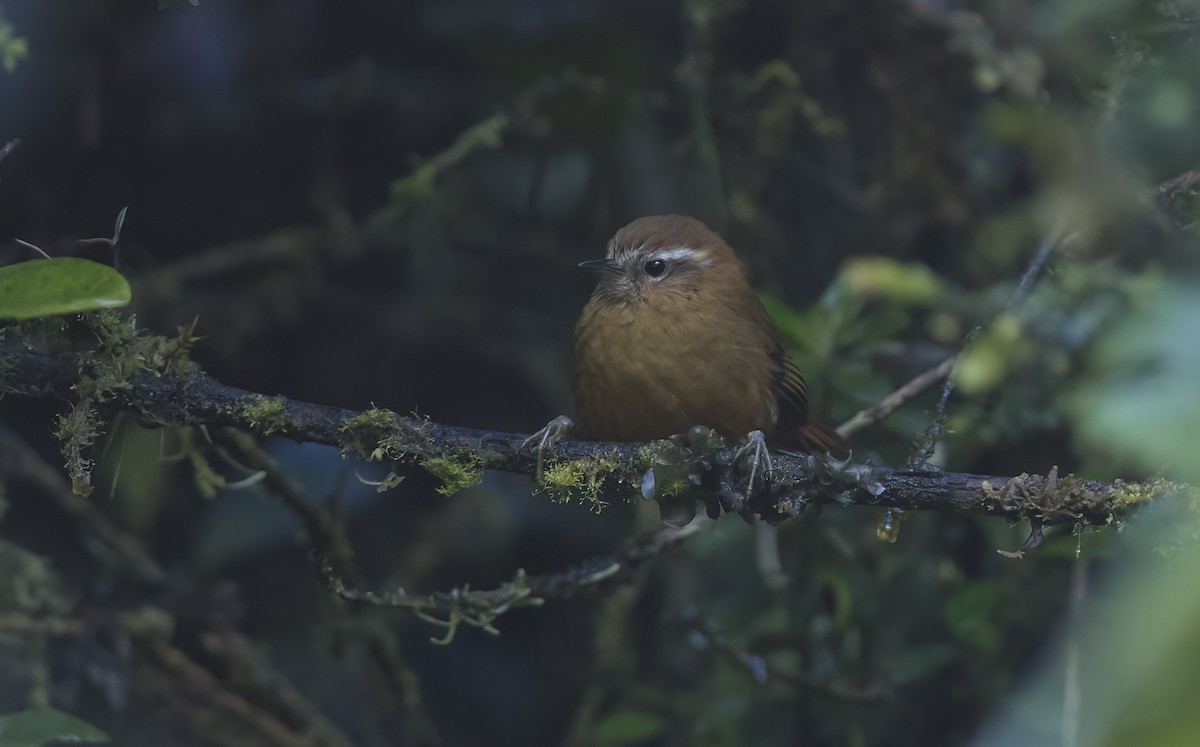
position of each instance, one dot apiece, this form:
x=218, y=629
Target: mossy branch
x=183, y=395
x=479, y=608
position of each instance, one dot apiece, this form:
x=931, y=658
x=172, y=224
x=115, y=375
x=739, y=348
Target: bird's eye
x=655, y=267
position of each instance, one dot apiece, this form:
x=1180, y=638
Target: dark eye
x=655, y=267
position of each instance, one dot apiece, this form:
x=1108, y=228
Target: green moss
x=1054, y=497
x=648, y=453
x=76, y=431
x=119, y=352
x=456, y=473
x=1136, y=494
x=266, y=415
x=585, y=478
x=374, y=417
x=377, y=434
x=561, y=479
x=675, y=487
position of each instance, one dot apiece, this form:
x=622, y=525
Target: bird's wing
x=794, y=429
x=790, y=391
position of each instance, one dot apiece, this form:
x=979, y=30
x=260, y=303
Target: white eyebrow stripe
x=682, y=252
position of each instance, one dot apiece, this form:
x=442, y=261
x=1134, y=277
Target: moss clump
x=377, y=418
x=76, y=431
x=456, y=473
x=583, y=477
x=675, y=487
x=266, y=415
x=119, y=352
x=561, y=479
x=1070, y=498
x=1137, y=493
x=376, y=434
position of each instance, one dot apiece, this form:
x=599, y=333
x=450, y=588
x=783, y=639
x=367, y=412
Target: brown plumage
x=674, y=336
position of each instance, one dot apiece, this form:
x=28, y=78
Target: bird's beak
x=601, y=265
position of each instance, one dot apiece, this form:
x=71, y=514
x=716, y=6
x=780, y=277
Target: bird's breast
x=643, y=372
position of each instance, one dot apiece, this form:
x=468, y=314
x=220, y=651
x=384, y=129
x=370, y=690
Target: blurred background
x=384, y=203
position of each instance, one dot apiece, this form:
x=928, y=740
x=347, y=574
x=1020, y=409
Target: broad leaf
x=64, y=285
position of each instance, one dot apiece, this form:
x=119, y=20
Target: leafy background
x=384, y=203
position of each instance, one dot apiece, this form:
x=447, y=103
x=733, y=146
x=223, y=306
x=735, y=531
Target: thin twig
x=480, y=608
x=924, y=450
x=890, y=403
x=1035, y=268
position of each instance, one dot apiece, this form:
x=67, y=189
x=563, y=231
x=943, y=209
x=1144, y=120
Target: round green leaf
x=64, y=285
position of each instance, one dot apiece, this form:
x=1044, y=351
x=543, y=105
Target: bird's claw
x=546, y=439
x=755, y=449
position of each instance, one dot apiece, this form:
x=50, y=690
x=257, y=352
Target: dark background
x=384, y=203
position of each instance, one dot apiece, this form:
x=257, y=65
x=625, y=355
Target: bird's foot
x=759, y=457
x=546, y=439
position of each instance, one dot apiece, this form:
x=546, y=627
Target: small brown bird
x=674, y=336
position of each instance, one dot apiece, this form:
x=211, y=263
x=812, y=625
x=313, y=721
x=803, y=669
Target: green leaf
x=65, y=285
x=36, y=727
x=626, y=727
x=884, y=277
x=1143, y=403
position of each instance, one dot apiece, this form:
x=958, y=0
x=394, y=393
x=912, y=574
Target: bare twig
x=480, y=608
x=923, y=451
x=888, y=404
x=1035, y=268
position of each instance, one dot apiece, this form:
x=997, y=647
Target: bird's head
x=663, y=257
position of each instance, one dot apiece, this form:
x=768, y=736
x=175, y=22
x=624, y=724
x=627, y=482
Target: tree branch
x=195, y=398
x=479, y=608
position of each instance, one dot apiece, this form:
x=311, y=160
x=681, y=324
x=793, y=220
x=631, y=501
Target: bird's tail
x=818, y=438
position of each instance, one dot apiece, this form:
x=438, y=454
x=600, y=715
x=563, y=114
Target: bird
x=674, y=336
